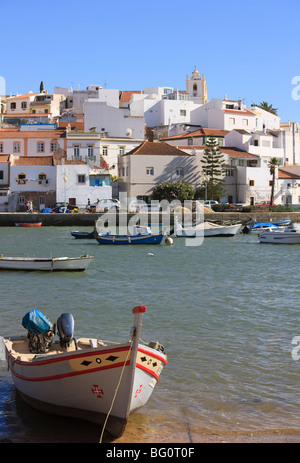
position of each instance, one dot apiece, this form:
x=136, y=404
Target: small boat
x=141, y=235
x=45, y=263
x=291, y=235
x=257, y=227
x=28, y=224
x=83, y=235
x=206, y=229
x=83, y=378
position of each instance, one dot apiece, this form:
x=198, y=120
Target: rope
x=115, y=394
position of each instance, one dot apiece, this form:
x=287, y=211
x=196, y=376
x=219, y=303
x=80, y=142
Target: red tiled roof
x=239, y=111
x=230, y=151
x=156, y=149
x=202, y=132
x=288, y=174
x=4, y=157
x=124, y=96
x=32, y=161
x=12, y=133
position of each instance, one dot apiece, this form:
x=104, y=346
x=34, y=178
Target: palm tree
x=267, y=107
x=273, y=162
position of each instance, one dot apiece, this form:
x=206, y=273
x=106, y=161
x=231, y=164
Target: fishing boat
x=291, y=235
x=45, y=263
x=83, y=235
x=257, y=227
x=83, y=378
x=28, y=224
x=206, y=229
x=141, y=235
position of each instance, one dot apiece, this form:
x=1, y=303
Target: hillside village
x=79, y=145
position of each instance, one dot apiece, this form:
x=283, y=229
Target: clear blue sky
x=245, y=49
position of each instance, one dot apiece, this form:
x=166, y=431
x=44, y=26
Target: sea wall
x=88, y=219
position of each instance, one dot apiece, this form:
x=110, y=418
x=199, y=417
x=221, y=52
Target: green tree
x=267, y=107
x=213, y=169
x=272, y=164
x=172, y=191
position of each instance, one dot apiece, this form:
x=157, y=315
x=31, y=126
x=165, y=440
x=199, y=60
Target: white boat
x=291, y=235
x=206, y=229
x=45, y=263
x=86, y=378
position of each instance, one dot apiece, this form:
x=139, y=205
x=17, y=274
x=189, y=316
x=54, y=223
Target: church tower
x=196, y=87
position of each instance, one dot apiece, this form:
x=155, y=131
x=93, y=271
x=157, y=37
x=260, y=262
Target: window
x=21, y=199
x=182, y=112
x=241, y=162
x=232, y=120
x=229, y=173
x=13, y=105
x=149, y=170
x=76, y=150
x=179, y=172
x=90, y=151
x=251, y=182
x=121, y=149
x=81, y=178
x=1, y=147
x=42, y=179
x=21, y=179
x=54, y=146
x=104, y=150
x=16, y=147
x=245, y=121
x=24, y=105
x=41, y=147
x=1, y=175
x=270, y=182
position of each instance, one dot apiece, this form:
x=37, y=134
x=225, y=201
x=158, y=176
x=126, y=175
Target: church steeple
x=196, y=87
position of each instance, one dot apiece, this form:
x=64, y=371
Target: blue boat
x=141, y=235
x=83, y=235
x=256, y=227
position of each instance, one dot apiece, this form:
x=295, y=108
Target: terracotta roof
x=149, y=148
x=124, y=96
x=4, y=157
x=25, y=115
x=289, y=172
x=22, y=97
x=32, y=161
x=240, y=111
x=230, y=151
x=202, y=132
x=12, y=133
x=73, y=125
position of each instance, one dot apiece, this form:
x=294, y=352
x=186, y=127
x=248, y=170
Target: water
x=226, y=312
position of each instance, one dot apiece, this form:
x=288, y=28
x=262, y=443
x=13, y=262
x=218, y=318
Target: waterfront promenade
x=8, y=219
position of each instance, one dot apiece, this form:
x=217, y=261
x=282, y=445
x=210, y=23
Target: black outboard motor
x=65, y=329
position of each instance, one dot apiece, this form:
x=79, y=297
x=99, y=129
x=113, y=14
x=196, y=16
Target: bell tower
x=196, y=87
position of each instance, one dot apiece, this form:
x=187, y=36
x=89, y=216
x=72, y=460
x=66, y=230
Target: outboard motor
x=40, y=331
x=65, y=329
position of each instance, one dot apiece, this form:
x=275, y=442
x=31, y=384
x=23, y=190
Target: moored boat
x=83, y=235
x=206, y=229
x=84, y=378
x=257, y=227
x=291, y=235
x=45, y=263
x=28, y=224
x=140, y=235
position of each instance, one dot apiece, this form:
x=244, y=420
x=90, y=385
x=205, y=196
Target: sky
x=248, y=50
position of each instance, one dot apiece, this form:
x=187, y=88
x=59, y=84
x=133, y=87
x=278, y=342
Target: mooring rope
x=115, y=394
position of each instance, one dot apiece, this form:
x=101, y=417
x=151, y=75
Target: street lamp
x=205, y=180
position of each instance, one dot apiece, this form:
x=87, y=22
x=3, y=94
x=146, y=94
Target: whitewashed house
x=4, y=182
x=288, y=185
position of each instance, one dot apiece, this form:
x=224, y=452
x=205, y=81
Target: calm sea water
x=226, y=312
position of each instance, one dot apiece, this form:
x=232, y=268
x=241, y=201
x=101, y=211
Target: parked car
x=210, y=202
x=105, y=205
x=142, y=206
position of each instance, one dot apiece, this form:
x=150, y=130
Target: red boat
x=37, y=224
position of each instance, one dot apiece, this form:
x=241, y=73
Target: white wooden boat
x=85, y=378
x=206, y=229
x=291, y=235
x=45, y=263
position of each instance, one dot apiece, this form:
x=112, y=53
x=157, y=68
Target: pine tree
x=213, y=168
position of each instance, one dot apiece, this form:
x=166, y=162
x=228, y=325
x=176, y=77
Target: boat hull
x=45, y=264
x=130, y=239
x=86, y=384
x=277, y=237
x=200, y=230
x=38, y=224
x=83, y=235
